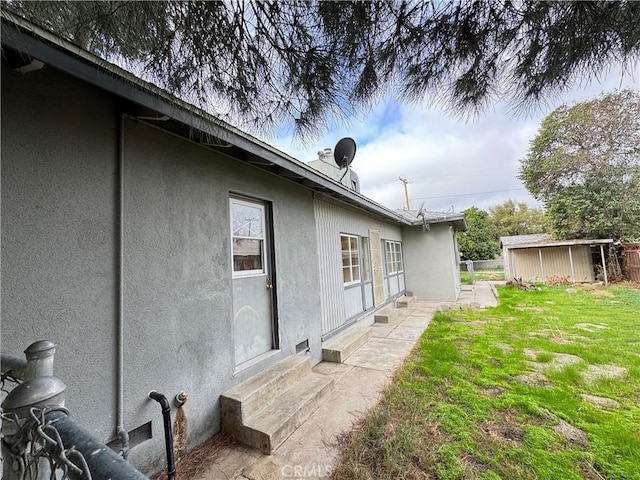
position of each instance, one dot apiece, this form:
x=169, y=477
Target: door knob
x=269, y=284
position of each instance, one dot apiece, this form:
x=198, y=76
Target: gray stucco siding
x=60, y=242
x=429, y=258
x=178, y=312
x=59, y=151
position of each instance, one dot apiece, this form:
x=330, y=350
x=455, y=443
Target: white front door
x=253, y=327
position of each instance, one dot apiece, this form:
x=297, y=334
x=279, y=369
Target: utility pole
x=406, y=192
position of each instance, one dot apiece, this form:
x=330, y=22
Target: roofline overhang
x=459, y=222
x=30, y=39
x=560, y=243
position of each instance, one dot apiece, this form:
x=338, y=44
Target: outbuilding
x=539, y=258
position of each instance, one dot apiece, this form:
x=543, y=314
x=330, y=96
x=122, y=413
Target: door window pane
x=247, y=237
x=247, y=254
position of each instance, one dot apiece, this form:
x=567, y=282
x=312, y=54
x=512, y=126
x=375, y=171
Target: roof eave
x=31, y=39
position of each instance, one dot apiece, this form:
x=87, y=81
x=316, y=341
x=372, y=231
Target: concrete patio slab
x=408, y=333
x=312, y=450
x=381, y=353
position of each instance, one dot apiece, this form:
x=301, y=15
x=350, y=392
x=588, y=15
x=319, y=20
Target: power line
x=470, y=194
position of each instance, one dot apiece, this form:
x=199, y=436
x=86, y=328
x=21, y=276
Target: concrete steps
x=405, y=301
x=265, y=409
x=388, y=315
x=338, y=349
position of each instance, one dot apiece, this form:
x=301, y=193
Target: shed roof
x=151, y=104
x=508, y=241
x=545, y=241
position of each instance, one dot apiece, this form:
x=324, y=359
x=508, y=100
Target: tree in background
x=477, y=243
x=584, y=164
x=511, y=218
x=305, y=63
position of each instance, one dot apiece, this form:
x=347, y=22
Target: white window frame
x=393, y=257
x=263, y=252
x=351, y=264
x=399, y=258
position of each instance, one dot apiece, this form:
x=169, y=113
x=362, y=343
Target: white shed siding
x=331, y=221
x=552, y=263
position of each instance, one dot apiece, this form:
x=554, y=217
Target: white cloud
x=448, y=162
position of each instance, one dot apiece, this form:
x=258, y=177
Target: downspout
x=121, y=433
x=168, y=433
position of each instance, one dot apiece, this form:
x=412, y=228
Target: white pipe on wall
x=121, y=432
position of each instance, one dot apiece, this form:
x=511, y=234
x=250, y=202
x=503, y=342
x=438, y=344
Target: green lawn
x=499, y=393
x=481, y=275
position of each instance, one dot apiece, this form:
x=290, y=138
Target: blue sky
x=450, y=163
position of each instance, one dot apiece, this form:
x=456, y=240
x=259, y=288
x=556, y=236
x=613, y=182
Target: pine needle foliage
x=305, y=63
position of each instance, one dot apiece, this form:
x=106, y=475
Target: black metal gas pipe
x=168, y=433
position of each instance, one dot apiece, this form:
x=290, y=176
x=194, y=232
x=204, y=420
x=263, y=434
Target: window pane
x=346, y=274
x=247, y=254
x=247, y=221
x=344, y=243
x=391, y=266
x=355, y=270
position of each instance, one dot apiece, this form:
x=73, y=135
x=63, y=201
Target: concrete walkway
x=312, y=450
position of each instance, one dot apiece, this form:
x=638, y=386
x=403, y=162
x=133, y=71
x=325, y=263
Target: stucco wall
x=178, y=280
x=59, y=151
x=431, y=271
x=59, y=257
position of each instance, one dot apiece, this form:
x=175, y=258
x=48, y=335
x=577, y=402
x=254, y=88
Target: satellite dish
x=344, y=152
x=425, y=226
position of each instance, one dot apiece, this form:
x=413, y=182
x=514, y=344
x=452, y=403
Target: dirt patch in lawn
x=590, y=327
x=572, y=434
x=504, y=428
x=534, y=379
x=558, y=361
x=602, y=293
x=530, y=309
x=505, y=347
x=603, y=402
x=596, y=372
x=475, y=323
x=492, y=391
x=559, y=340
